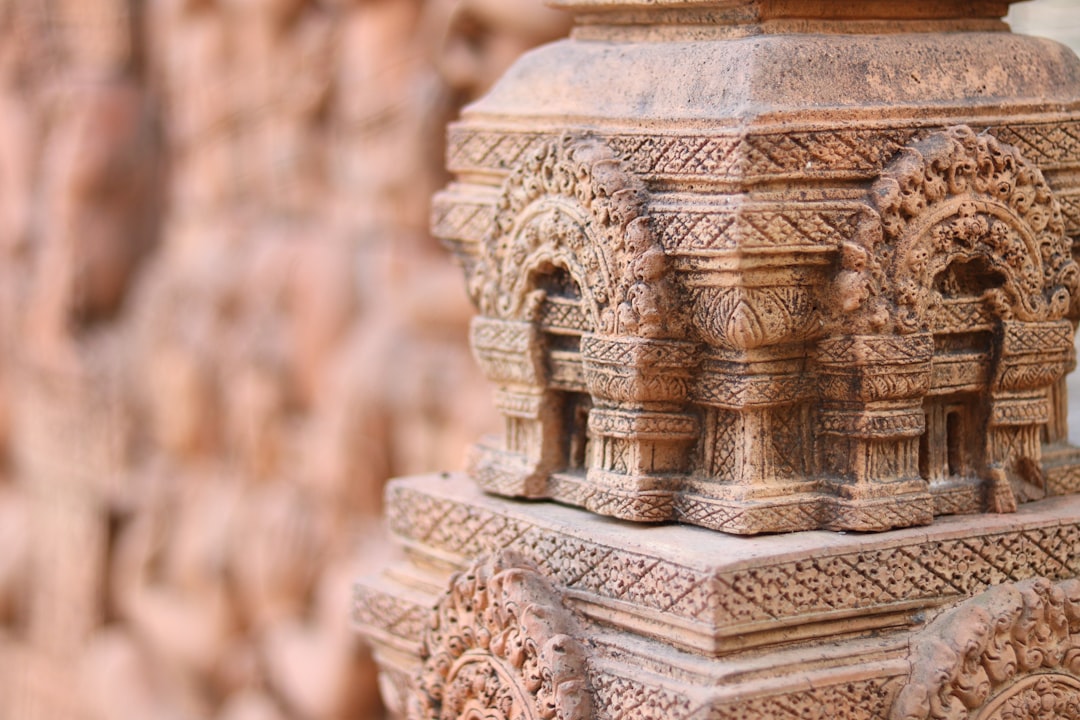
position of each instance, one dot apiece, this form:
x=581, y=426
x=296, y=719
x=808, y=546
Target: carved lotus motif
x=749, y=318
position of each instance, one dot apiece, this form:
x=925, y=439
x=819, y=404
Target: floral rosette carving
x=499, y=645
x=965, y=198
x=1012, y=653
x=572, y=204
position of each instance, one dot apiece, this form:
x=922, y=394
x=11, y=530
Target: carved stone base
x=560, y=613
x=745, y=514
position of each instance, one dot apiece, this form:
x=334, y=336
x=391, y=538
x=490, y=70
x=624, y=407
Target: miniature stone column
x=773, y=268
x=870, y=421
x=1032, y=359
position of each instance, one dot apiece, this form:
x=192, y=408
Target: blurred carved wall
x=223, y=326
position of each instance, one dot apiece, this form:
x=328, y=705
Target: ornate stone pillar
x=774, y=268
x=870, y=421
x=509, y=353
x=641, y=438
x=1032, y=359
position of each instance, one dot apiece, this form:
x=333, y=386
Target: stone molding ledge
x=676, y=616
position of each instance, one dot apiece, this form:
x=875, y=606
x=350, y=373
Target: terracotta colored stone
x=681, y=622
x=827, y=283
x=762, y=267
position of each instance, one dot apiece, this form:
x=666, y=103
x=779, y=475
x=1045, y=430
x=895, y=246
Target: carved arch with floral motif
x=500, y=645
x=572, y=205
x=1011, y=653
x=958, y=197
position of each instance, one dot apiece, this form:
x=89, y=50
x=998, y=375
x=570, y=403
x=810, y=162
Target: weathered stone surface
x=681, y=622
x=775, y=268
x=827, y=283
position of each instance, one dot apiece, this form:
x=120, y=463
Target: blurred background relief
x=224, y=326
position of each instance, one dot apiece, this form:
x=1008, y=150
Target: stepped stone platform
x=672, y=621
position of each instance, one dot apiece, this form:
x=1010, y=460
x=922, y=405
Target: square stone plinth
x=681, y=622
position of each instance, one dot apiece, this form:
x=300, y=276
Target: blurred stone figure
x=225, y=325
x=20, y=136
x=280, y=86
x=91, y=163
x=479, y=39
x=98, y=174
x=190, y=62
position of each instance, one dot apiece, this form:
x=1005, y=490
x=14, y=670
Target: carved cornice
x=851, y=153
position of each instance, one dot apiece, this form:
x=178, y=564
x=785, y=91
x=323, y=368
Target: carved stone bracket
x=636, y=370
x=1011, y=653
x=1033, y=356
x=869, y=368
x=500, y=645
x=507, y=351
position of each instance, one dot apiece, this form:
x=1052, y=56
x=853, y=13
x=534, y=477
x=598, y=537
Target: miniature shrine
x=775, y=268
x=798, y=317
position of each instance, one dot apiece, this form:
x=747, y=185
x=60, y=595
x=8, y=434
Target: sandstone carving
x=498, y=644
x=772, y=268
x=879, y=338
x=680, y=622
x=1011, y=652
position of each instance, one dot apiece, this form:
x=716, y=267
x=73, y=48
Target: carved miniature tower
x=760, y=266
x=823, y=284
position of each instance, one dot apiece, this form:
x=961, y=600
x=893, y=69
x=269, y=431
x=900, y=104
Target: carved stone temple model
x=759, y=266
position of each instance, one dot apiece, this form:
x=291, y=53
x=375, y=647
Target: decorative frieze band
x=873, y=576
x=963, y=314
x=563, y=314
x=703, y=230
x=734, y=391
x=875, y=424
x=695, y=230
x=639, y=352
x=455, y=218
x=1037, y=338
x=855, y=153
x=505, y=335
x=1020, y=411
x=1052, y=146
x=642, y=425
x=849, y=350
